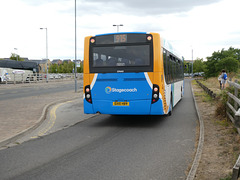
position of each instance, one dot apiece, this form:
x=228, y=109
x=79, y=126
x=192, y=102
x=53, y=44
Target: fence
x=235, y=174
x=233, y=110
x=233, y=113
x=211, y=93
x=40, y=78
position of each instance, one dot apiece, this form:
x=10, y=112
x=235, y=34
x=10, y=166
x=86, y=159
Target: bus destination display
x=120, y=38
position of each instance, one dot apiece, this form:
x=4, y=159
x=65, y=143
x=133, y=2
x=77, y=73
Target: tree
x=53, y=68
x=228, y=63
x=224, y=59
x=66, y=67
x=16, y=57
x=187, y=67
x=80, y=69
x=198, y=65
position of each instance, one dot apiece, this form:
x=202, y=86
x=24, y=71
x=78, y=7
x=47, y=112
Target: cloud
x=131, y=7
x=42, y=2
x=205, y=25
x=136, y=7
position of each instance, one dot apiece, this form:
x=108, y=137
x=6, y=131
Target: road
x=8, y=94
x=109, y=147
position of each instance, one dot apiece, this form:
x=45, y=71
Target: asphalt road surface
x=109, y=147
x=31, y=90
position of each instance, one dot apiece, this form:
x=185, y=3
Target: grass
x=194, y=82
x=228, y=177
x=207, y=98
x=213, y=84
x=224, y=123
x=235, y=154
x=200, y=94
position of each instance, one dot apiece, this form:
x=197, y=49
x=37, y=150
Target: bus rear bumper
x=138, y=107
x=157, y=108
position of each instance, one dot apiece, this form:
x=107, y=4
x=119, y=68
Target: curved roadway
x=110, y=147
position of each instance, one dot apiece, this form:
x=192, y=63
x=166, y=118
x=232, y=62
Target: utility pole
x=16, y=53
x=46, y=50
x=75, y=46
x=118, y=26
x=192, y=62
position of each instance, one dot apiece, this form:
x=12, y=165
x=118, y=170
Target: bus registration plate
x=120, y=103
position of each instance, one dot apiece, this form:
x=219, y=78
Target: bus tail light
x=155, y=93
x=87, y=90
x=88, y=96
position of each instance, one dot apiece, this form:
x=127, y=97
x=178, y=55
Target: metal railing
x=40, y=78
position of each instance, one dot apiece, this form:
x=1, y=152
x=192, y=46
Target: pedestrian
x=220, y=80
x=224, y=78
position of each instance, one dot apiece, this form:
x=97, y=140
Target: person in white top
x=224, y=78
x=220, y=80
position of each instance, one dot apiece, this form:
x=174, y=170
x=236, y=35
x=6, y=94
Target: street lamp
x=75, y=4
x=46, y=49
x=118, y=26
x=16, y=53
x=192, y=63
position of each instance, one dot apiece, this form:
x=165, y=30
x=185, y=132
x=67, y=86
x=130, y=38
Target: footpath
x=22, y=115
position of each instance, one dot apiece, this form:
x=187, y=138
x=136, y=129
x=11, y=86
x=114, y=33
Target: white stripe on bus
x=94, y=80
x=148, y=80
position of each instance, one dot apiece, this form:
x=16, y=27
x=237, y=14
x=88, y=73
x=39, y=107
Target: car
x=197, y=74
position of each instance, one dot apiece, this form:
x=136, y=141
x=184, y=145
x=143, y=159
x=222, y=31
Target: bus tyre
x=171, y=107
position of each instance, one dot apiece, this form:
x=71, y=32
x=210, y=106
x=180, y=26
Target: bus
x=133, y=73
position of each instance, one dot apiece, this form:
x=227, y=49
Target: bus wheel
x=171, y=107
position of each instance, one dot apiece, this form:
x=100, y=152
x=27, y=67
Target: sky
x=196, y=28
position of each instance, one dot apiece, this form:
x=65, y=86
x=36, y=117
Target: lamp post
x=118, y=26
x=16, y=53
x=192, y=63
x=46, y=50
x=75, y=46
x=238, y=53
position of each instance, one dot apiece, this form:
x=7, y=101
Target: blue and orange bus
x=131, y=73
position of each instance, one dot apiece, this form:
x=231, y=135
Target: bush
x=222, y=103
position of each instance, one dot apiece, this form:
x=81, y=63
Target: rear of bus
x=123, y=74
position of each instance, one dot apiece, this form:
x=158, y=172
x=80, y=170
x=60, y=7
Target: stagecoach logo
x=108, y=90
